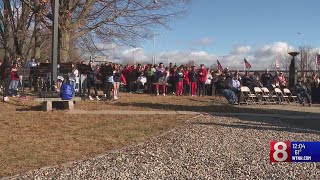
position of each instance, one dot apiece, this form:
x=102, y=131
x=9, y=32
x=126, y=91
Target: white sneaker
x=6, y=99
x=157, y=93
x=173, y=93
x=115, y=97
x=97, y=98
x=164, y=94
x=90, y=97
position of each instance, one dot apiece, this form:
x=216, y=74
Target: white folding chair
x=288, y=93
x=280, y=96
x=261, y=96
x=246, y=95
x=272, y=98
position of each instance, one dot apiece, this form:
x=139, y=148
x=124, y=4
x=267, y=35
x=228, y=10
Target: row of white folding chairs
x=264, y=96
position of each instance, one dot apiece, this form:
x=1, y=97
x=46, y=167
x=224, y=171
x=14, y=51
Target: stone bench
x=48, y=103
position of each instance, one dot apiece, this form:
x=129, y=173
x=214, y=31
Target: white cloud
x=241, y=50
x=260, y=57
x=205, y=41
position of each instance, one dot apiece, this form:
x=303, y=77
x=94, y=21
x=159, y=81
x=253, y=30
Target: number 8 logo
x=280, y=151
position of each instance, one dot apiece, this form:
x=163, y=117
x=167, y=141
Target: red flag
x=219, y=67
x=247, y=64
x=318, y=59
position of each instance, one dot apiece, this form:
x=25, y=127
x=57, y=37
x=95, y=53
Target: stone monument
x=292, y=70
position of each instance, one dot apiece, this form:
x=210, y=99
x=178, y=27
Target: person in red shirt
x=202, y=77
x=186, y=81
x=14, y=79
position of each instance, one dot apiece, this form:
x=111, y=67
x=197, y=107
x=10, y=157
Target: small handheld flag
x=247, y=64
x=318, y=59
x=219, y=66
x=277, y=64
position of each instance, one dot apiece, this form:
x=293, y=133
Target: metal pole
x=55, y=41
x=154, y=50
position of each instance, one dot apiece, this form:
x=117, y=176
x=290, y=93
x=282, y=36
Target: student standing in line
x=6, y=70
x=116, y=81
x=107, y=73
x=14, y=79
x=91, y=81
x=202, y=76
x=208, y=84
x=186, y=81
x=179, y=80
x=193, y=81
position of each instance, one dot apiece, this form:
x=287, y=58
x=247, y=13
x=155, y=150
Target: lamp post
x=55, y=41
x=154, y=50
x=292, y=70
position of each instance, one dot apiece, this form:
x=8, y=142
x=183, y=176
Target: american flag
x=247, y=64
x=219, y=67
x=277, y=64
x=318, y=59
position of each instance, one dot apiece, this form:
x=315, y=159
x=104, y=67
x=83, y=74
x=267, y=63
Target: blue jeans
x=14, y=85
x=230, y=96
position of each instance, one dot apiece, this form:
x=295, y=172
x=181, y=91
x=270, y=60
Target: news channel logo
x=287, y=151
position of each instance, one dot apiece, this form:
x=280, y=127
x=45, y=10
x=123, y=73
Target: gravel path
x=208, y=147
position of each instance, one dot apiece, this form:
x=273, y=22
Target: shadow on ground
x=304, y=123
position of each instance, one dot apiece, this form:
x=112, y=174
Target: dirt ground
x=30, y=138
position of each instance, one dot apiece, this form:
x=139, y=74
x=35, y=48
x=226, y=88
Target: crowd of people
x=158, y=79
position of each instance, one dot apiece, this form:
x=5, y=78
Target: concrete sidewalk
x=135, y=112
x=286, y=116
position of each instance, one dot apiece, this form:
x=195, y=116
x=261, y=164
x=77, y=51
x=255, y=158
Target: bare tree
x=19, y=28
x=124, y=22
x=284, y=59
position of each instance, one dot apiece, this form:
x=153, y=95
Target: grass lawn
x=31, y=139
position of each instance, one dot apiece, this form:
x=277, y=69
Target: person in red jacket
x=186, y=81
x=202, y=77
x=14, y=79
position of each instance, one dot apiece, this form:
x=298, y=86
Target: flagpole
x=316, y=63
x=244, y=66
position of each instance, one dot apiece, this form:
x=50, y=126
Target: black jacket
x=192, y=76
